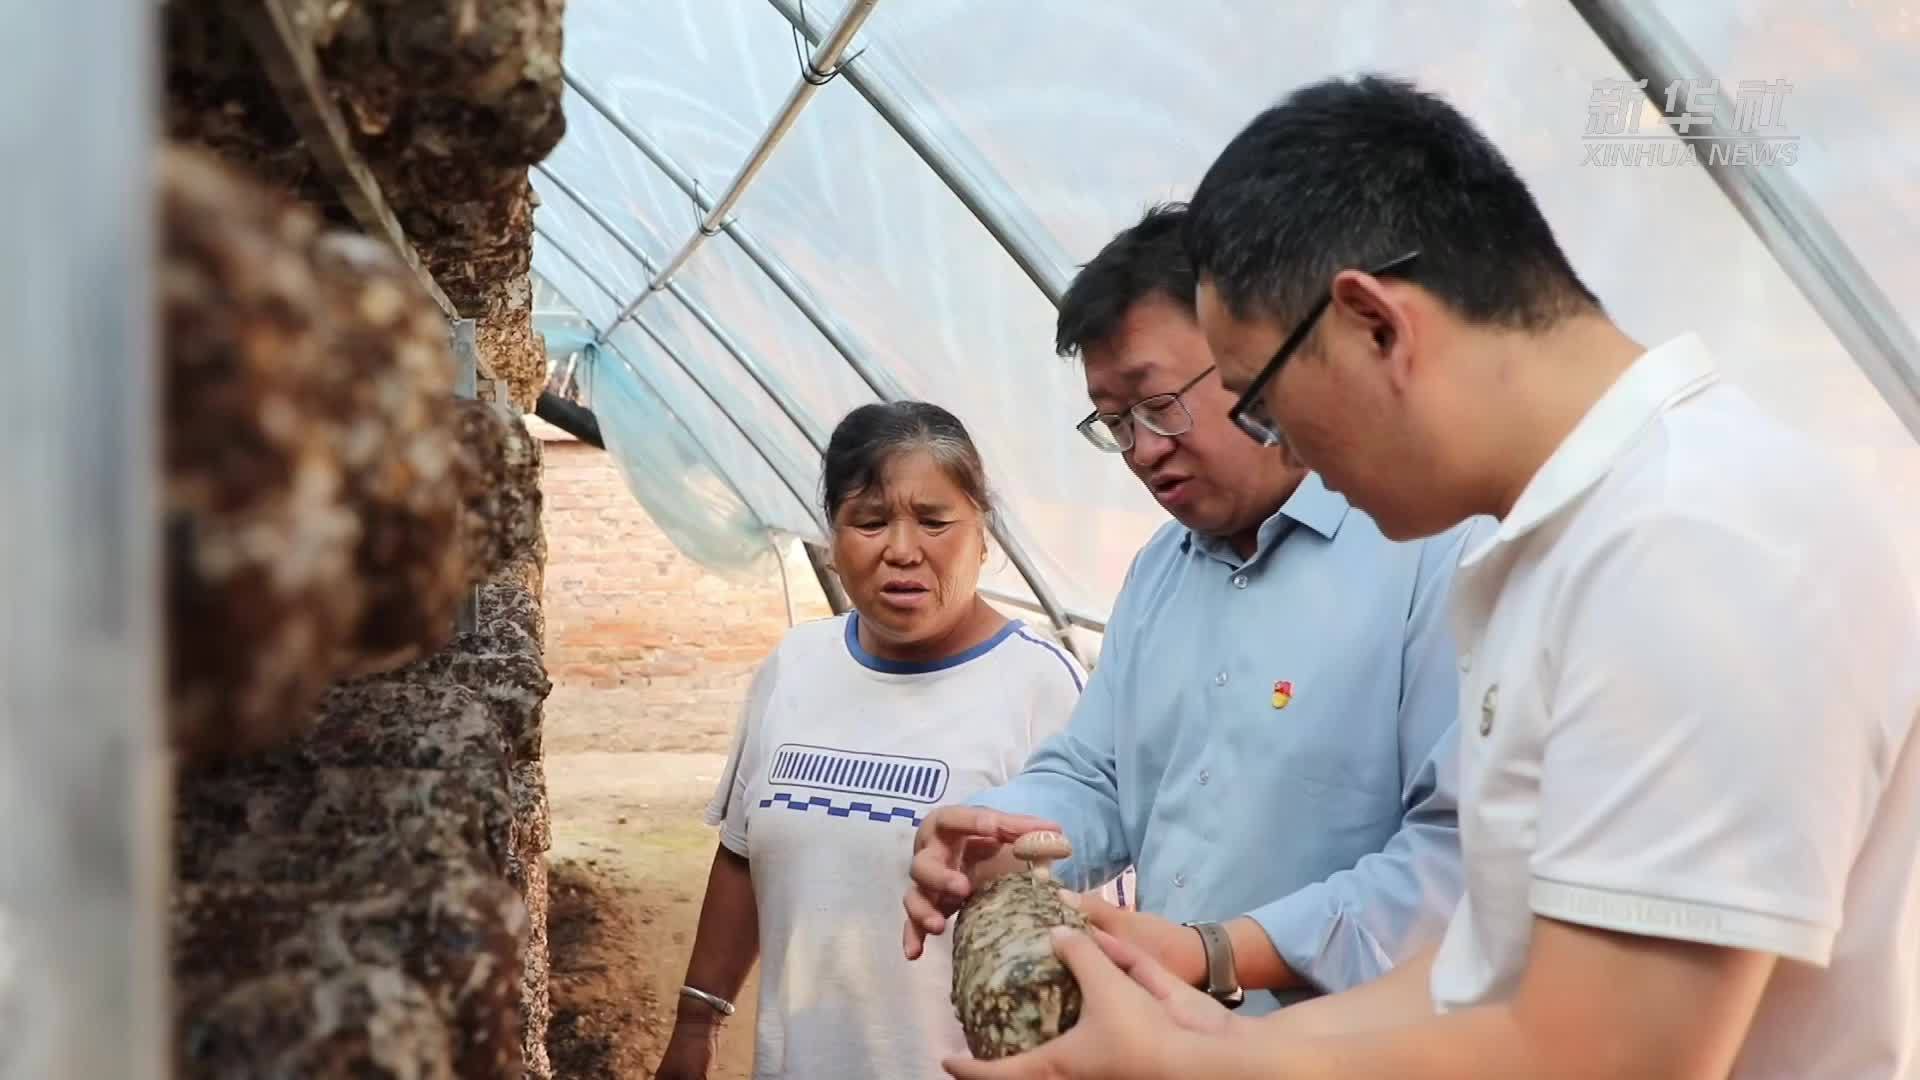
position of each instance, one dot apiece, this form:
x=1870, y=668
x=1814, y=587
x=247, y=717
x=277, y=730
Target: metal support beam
x=878, y=78
x=85, y=775
x=793, y=409
x=754, y=437
x=680, y=177
x=837, y=335
x=770, y=264
x=727, y=478
x=1079, y=618
x=821, y=69
x=830, y=586
x=1780, y=213
x=811, y=429
x=713, y=459
x=466, y=384
x=290, y=63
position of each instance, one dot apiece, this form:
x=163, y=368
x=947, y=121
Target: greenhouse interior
x=279, y=600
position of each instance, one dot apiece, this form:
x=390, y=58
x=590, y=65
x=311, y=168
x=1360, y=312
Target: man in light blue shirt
x=1268, y=736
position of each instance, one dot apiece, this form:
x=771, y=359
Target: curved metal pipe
x=1779, y=212
x=1079, y=618
x=836, y=334
x=878, y=78
x=753, y=438
x=706, y=452
x=820, y=69
x=787, y=403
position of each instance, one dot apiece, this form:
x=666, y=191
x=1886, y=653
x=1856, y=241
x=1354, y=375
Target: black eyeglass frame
x=1171, y=398
x=1264, y=430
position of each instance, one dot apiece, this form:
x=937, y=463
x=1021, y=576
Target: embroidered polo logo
x=1282, y=693
x=1487, y=706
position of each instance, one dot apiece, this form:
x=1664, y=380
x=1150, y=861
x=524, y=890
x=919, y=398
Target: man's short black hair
x=1144, y=259
x=1348, y=173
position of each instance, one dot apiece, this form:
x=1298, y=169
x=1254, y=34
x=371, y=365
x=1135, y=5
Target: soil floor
x=630, y=858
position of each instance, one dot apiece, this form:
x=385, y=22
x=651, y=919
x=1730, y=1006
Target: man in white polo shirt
x=1690, y=782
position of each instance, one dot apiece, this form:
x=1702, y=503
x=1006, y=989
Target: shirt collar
x=1659, y=379
x=1311, y=504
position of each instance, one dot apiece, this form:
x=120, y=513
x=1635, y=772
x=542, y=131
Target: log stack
x=384, y=873
x=329, y=501
x=449, y=104
x=260, y=535
x=361, y=820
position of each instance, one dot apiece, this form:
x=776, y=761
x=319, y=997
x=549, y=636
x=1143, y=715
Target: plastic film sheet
x=1087, y=112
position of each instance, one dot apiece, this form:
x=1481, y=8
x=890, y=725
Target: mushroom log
x=1010, y=991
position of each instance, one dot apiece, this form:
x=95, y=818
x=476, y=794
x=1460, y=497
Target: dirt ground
x=630, y=858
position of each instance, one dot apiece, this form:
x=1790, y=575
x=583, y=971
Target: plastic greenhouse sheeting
x=644, y=419
x=558, y=321
x=1085, y=112
x=702, y=512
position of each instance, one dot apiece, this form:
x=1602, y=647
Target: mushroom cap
x=1043, y=844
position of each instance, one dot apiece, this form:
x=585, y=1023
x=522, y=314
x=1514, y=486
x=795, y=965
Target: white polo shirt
x=1691, y=678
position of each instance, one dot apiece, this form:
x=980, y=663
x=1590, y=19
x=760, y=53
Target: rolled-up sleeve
x=1357, y=924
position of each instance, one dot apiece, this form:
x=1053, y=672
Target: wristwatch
x=1223, y=982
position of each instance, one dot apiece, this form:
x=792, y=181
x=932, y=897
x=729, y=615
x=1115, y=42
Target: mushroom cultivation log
x=328, y=500
x=261, y=534
x=389, y=345
x=499, y=487
x=1010, y=991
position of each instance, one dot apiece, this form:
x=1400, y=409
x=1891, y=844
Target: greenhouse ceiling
x=764, y=214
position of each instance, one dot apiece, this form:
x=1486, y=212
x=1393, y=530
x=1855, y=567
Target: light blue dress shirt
x=1330, y=820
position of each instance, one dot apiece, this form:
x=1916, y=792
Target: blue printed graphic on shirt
x=880, y=782
x=882, y=776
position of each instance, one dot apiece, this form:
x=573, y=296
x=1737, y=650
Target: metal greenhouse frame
x=1792, y=228
x=986, y=147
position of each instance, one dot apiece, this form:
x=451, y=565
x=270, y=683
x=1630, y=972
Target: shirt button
x=1220, y=679
x=1239, y=581
x=1179, y=881
x=1205, y=776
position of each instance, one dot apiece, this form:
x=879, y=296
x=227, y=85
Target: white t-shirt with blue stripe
x=839, y=756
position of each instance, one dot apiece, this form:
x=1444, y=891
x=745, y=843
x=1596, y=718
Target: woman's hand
x=1137, y=1021
x=689, y=1051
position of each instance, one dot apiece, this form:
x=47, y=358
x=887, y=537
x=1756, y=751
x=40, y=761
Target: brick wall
x=647, y=649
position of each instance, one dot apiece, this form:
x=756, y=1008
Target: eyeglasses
x=1250, y=413
x=1162, y=414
